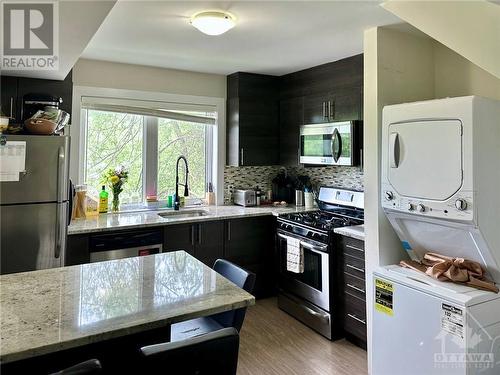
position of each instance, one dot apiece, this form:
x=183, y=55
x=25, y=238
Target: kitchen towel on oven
x=294, y=255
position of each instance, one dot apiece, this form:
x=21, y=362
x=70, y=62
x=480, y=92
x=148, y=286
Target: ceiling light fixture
x=213, y=22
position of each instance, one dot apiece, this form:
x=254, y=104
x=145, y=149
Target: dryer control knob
x=421, y=208
x=461, y=204
x=410, y=207
x=389, y=195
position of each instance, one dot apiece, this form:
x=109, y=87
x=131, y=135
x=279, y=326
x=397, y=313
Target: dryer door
x=425, y=158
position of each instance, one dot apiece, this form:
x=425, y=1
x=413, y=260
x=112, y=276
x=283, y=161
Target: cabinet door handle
x=11, y=107
x=199, y=234
x=352, y=316
x=354, y=248
x=229, y=231
x=331, y=110
x=355, y=268
x=325, y=116
x=355, y=288
x=241, y=156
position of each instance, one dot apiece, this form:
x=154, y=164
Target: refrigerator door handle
x=61, y=183
x=60, y=243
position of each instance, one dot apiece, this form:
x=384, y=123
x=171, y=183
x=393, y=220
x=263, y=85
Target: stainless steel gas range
x=310, y=294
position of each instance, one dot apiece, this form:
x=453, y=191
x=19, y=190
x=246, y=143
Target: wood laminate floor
x=274, y=343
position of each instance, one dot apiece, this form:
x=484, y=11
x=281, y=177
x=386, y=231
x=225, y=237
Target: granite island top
x=60, y=308
x=354, y=231
x=141, y=219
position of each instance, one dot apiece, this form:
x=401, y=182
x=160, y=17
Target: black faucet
x=186, y=192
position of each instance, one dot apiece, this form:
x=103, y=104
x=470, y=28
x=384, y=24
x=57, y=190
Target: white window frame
x=215, y=142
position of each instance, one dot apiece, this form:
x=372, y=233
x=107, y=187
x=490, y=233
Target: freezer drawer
x=33, y=236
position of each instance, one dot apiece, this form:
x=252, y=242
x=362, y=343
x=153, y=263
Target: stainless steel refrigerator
x=35, y=211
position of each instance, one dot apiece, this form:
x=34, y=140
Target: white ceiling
x=270, y=37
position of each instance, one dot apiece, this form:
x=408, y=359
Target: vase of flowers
x=115, y=178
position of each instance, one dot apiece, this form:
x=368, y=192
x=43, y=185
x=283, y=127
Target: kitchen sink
x=182, y=214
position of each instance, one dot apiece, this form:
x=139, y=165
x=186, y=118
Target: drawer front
x=354, y=286
x=354, y=266
x=355, y=317
x=353, y=247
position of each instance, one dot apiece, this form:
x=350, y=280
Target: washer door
x=425, y=158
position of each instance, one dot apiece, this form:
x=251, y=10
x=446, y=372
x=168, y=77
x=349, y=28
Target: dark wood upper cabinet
x=61, y=89
x=291, y=117
x=9, y=101
x=14, y=88
x=317, y=108
x=252, y=119
x=326, y=93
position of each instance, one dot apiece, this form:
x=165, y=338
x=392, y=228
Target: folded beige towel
x=294, y=255
x=457, y=270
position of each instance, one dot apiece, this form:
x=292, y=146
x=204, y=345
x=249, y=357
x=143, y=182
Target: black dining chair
x=233, y=318
x=90, y=367
x=209, y=354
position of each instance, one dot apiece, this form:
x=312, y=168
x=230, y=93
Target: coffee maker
x=35, y=102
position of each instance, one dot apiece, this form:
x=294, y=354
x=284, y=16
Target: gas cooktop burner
x=325, y=221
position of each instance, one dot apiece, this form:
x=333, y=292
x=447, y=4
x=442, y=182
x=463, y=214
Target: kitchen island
x=48, y=311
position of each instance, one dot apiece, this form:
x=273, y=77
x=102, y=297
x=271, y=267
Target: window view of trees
x=117, y=139
x=181, y=138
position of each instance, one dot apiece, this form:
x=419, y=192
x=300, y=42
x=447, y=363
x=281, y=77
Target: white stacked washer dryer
x=441, y=193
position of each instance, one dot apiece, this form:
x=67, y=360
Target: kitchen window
x=147, y=139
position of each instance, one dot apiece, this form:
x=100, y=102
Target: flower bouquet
x=115, y=178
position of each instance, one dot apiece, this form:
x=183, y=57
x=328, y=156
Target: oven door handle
x=316, y=249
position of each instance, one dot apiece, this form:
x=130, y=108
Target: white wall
x=454, y=75
x=470, y=28
x=95, y=73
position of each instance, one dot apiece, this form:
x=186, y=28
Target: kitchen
x=301, y=133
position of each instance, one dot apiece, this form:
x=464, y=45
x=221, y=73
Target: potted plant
x=115, y=178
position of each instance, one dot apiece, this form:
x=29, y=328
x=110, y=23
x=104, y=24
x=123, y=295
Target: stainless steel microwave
x=334, y=143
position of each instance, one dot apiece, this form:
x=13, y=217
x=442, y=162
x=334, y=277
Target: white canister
x=309, y=199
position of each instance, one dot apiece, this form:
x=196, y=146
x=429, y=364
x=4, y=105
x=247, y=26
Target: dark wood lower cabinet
x=205, y=241
x=352, y=291
x=179, y=237
x=249, y=243
x=77, y=249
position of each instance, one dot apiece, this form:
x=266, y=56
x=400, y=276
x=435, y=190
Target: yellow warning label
x=384, y=292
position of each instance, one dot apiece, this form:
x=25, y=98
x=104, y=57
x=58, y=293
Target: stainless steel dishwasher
x=125, y=244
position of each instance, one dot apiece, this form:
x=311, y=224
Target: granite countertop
x=140, y=219
x=355, y=231
x=50, y=310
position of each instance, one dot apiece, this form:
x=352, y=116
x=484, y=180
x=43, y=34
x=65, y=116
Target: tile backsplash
x=250, y=177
